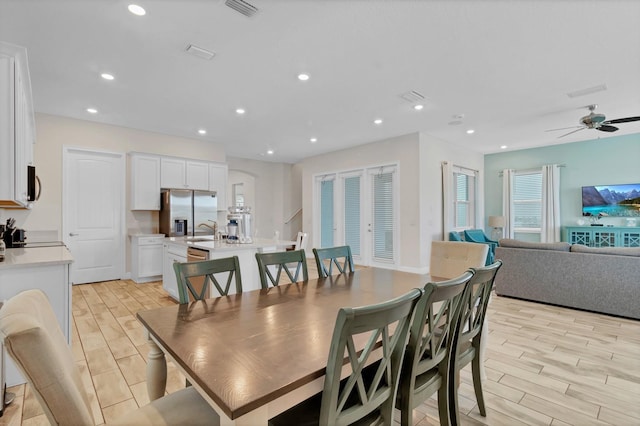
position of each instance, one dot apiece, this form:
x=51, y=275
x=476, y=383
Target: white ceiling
x=507, y=66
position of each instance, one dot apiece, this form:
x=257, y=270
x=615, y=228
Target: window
x=464, y=198
x=326, y=213
x=526, y=202
x=352, y=224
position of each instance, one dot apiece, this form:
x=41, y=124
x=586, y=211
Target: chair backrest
x=476, y=235
x=34, y=340
x=474, y=310
x=455, y=236
x=334, y=256
x=356, y=397
x=432, y=339
x=301, y=241
x=282, y=260
x=450, y=259
x=194, y=278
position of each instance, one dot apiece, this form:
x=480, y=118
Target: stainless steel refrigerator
x=184, y=212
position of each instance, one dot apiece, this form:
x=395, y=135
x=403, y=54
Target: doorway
x=93, y=190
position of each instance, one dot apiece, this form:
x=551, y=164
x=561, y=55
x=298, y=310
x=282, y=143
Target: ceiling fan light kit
x=596, y=121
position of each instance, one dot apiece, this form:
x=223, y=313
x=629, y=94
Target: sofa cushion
x=507, y=242
x=618, y=251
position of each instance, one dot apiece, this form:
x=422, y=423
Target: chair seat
x=184, y=407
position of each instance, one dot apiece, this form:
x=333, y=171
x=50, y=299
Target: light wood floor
x=545, y=365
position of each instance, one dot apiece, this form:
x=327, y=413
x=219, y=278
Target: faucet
x=214, y=228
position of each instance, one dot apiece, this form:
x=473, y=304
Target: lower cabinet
x=172, y=253
x=604, y=236
x=54, y=281
x=146, y=264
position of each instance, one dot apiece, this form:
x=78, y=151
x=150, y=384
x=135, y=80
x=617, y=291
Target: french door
x=358, y=208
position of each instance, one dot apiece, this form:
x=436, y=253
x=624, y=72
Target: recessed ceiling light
x=107, y=76
x=470, y=131
x=270, y=152
x=313, y=140
x=418, y=107
x=503, y=147
x=92, y=110
x=377, y=121
x=137, y=10
x=240, y=111
x=202, y=131
x=303, y=77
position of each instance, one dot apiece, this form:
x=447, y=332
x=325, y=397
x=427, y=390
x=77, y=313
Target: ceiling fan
x=596, y=121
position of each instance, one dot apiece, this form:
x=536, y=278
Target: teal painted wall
x=602, y=161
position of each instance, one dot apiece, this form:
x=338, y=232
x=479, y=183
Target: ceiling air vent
x=200, y=52
x=412, y=96
x=242, y=6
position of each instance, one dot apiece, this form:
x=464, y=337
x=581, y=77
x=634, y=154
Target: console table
x=604, y=236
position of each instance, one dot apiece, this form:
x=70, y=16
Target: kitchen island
x=44, y=268
x=175, y=250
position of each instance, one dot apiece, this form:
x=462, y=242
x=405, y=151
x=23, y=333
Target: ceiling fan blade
x=567, y=134
x=622, y=120
x=607, y=128
x=563, y=128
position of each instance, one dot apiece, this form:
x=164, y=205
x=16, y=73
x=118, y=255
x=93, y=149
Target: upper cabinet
x=181, y=173
x=17, y=127
x=218, y=183
x=145, y=182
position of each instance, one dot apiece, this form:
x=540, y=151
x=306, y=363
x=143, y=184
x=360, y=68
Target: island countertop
x=35, y=256
x=208, y=243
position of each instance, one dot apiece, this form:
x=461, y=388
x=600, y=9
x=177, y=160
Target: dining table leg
x=156, y=371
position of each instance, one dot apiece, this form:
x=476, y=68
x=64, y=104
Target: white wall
x=274, y=200
x=402, y=150
x=432, y=153
x=54, y=132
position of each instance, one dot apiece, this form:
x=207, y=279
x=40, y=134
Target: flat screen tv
x=611, y=200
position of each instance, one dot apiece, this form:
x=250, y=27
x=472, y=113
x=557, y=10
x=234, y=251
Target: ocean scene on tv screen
x=611, y=200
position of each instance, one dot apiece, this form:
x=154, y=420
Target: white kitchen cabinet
x=145, y=182
x=181, y=173
x=172, y=253
x=147, y=257
x=17, y=128
x=44, y=268
x=218, y=182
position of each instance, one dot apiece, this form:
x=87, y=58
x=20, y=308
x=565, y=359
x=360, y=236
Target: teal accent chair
x=455, y=236
x=478, y=236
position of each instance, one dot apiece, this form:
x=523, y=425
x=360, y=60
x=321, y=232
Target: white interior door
x=93, y=214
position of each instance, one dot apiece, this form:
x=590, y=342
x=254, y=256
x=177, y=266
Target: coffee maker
x=13, y=237
x=239, y=227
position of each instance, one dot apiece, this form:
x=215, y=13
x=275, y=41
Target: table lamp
x=497, y=223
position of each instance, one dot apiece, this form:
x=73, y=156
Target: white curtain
x=550, y=204
x=447, y=202
x=507, y=210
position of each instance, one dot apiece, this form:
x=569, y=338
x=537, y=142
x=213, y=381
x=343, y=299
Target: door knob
x=72, y=234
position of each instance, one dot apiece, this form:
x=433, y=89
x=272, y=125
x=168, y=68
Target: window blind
x=352, y=214
x=383, y=216
x=527, y=200
x=326, y=213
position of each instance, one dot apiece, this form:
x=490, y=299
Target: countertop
x=35, y=256
x=222, y=245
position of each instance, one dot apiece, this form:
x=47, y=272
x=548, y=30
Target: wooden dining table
x=255, y=354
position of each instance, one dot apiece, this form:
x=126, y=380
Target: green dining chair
x=431, y=345
x=473, y=322
x=281, y=260
x=334, y=256
x=196, y=278
x=358, y=399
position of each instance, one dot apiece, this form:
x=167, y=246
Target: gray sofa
x=605, y=280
